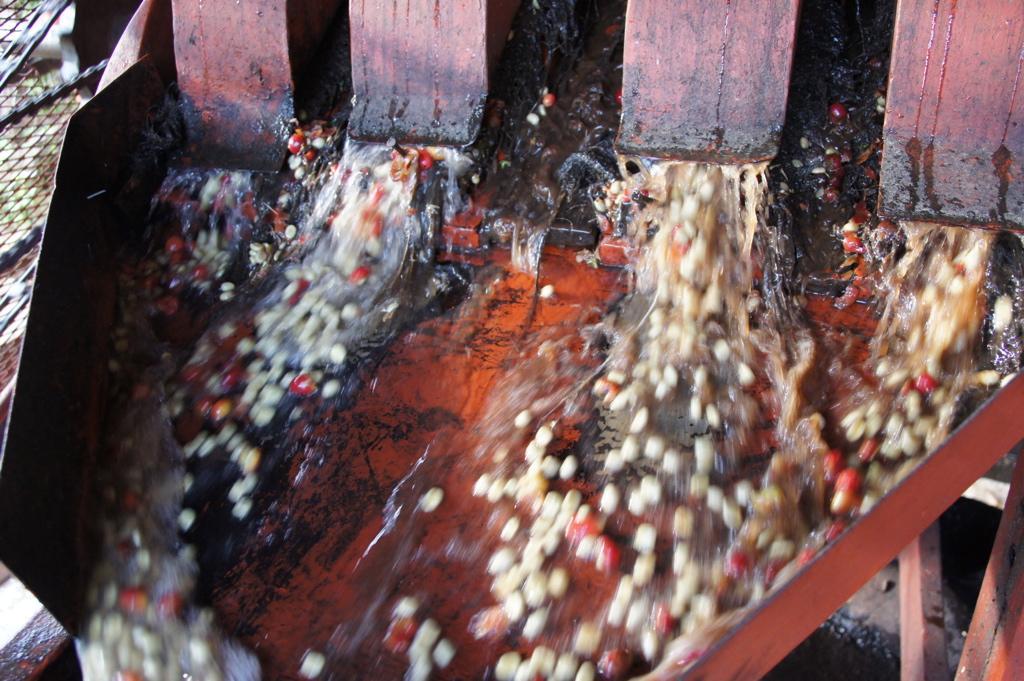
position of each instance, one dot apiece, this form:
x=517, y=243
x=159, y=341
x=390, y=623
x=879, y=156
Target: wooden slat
x=954, y=122
x=994, y=649
x=420, y=70
x=706, y=80
x=235, y=77
x=922, y=626
x=235, y=63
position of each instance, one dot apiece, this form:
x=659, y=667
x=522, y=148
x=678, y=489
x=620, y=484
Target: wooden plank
x=954, y=122
x=706, y=80
x=420, y=70
x=235, y=77
x=922, y=622
x=770, y=631
x=235, y=72
x=994, y=649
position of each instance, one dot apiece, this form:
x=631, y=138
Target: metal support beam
x=706, y=81
x=922, y=628
x=954, y=121
x=994, y=649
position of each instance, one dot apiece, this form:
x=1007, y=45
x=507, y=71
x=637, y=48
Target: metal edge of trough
x=792, y=612
x=54, y=429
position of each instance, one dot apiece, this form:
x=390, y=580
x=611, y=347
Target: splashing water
x=645, y=478
x=678, y=421
x=678, y=485
x=290, y=335
x=141, y=622
x=924, y=355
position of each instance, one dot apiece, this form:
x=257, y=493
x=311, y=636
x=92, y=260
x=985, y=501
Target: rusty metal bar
x=420, y=71
x=994, y=649
x=922, y=628
x=706, y=81
x=237, y=64
x=790, y=614
x=954, y=120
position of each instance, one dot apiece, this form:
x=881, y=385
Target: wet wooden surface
x=954, y=121
x=34, y=649
x=319, y=565
x=706, y=81
x=768, y=633
x=237, y=65
x=336, y=539
x=420, y=70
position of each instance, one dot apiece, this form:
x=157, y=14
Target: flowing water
x=640, y=473
x=318, y=300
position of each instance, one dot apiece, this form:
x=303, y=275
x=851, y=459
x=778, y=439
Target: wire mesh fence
x=14, y=16
x=35, y=105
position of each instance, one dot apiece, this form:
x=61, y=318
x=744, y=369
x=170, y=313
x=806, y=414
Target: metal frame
x=32, y=105
x=792, y=612
x=18, y=52
x=52, y=435
x=994, y=649
x=149, y=33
